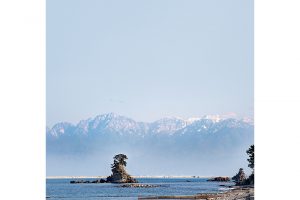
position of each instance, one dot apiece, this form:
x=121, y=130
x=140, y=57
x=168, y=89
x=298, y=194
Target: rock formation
x=119, y=174
x=220, y=179
x=85, y=181
x=240, y=177
x=139, y=186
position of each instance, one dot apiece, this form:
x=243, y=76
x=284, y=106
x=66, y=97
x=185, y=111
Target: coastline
x=237, y=193
x=80, y=177
x=233, y=192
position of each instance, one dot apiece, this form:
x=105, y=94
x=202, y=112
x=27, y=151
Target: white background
x=23, y=96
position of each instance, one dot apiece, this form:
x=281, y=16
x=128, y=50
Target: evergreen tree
x=250, y=153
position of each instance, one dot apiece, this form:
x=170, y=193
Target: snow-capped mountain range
x=203, y=145
x=113, y=123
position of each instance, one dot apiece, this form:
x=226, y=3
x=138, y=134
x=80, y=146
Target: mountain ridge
x=204, y=145
x=125, y=125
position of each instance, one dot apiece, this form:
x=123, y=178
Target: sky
x=148, y=59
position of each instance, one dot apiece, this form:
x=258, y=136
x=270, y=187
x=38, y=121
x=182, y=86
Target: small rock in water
x=102, y=180
x=139, y=186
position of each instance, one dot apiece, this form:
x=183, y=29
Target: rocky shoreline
x=136, y=177
x=132, y=180
x=237, y=193
x=139, y=186
x=85, y=181
x=220, y=179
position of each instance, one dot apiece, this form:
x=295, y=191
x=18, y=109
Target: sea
x=62, y=189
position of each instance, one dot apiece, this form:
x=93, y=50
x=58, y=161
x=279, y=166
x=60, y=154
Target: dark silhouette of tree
x=118, y=167
x=250, y=153
x=120, y=159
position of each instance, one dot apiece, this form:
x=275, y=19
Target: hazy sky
x=148, y=59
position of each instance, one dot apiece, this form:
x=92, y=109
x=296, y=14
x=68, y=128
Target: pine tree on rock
x=119, y=174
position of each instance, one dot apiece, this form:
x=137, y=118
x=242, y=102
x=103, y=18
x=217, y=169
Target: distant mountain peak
x=167, y=125
x=114, y=123
x=198, y=140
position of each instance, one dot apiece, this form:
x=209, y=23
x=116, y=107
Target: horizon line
x=145, y=176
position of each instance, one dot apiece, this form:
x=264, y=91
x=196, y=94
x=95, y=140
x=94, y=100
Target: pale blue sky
x=149, y=59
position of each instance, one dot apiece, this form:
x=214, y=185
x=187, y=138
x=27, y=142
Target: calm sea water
x=62, y=189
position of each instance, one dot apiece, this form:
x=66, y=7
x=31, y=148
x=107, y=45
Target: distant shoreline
x=79, y=177
x=237, y=193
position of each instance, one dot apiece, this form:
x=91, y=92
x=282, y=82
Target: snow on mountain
x=61, y=128
x=110, y=122
x=118, y=124
x=201, y=125
x=192, y=120
x=209, y=142
x=167, y=125
x=113, y=123
x=208, y=125
x=213, y=118
x=83, y=126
